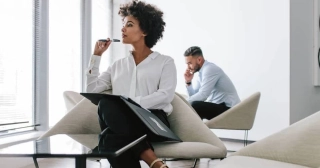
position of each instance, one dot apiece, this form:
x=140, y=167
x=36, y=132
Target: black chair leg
x=35, y=162
x=195, y=163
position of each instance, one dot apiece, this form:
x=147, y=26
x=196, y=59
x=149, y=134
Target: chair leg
x=245, y=141
x=35, y=162
x=195, y=163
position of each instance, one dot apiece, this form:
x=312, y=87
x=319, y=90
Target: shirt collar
x=153, y=55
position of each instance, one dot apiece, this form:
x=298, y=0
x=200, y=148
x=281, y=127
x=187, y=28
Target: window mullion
x=41, y=64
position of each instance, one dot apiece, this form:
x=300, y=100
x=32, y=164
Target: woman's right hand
x=101, y=47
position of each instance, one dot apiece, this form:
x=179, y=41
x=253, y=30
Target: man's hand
x=101, y=47
x=188, y=76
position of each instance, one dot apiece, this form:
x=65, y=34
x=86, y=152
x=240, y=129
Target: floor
x=69, y=163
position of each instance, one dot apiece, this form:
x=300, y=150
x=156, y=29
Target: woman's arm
x=97, y=83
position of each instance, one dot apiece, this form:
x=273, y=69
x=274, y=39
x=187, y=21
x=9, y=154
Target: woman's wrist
x=97, y=54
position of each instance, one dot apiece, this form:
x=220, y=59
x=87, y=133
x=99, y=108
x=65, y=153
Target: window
x=16, y=61
x=102, y=28
x=23, y=57
x=64, y=54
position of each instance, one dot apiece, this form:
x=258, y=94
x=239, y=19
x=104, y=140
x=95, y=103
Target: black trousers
x=207, y=110
x=122, y=126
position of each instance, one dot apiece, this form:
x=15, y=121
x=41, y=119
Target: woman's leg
x=121, y=132
x=148, y=155
x=126, y=127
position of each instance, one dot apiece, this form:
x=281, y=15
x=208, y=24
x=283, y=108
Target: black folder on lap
x=148, y=118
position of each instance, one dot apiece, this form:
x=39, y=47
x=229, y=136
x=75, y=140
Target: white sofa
x=297, y=146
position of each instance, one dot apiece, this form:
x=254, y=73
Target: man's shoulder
x=210, y=66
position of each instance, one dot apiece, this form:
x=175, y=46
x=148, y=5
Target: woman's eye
x=129, y=25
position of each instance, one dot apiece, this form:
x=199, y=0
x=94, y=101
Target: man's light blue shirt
x=212, y=85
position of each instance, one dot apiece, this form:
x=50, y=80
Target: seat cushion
x=252, y=162
x=188, y=150
x=164, y=149
x=188, y=126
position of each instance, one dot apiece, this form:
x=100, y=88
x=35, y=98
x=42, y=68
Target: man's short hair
x=193, y=51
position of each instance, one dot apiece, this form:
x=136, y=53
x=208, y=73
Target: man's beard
x=197, y=68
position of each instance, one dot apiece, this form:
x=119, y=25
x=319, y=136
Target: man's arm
x=210, y=77
x=193, y=88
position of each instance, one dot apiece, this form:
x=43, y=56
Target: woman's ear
x=144, y=34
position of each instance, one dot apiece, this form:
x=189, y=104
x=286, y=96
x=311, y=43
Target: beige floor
x=69, y=163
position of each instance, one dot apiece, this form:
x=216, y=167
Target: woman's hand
x=101, y=47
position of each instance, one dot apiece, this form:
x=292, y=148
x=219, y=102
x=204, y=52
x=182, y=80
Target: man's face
x=193, y=63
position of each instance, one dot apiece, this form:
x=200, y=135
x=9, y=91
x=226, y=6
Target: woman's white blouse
x=151, y=83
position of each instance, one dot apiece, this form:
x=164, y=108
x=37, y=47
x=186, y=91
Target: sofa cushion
x=187, y=150
x=189, y=127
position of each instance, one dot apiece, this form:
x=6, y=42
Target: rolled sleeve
x=94, y=64
x=97, y=83
x=190, y=90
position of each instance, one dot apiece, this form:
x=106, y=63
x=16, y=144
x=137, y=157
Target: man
x=212, y=92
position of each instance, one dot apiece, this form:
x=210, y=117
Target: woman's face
x=131, y=32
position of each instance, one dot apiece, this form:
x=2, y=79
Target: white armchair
x=198, y=140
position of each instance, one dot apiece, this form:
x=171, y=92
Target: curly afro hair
x=149, y=17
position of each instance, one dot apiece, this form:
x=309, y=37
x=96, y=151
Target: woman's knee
x=104, y=107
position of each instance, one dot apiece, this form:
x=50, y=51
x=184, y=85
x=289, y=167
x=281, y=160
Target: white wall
x=304, y=97
x=249, y=39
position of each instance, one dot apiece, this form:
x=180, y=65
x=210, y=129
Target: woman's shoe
x=159, y=160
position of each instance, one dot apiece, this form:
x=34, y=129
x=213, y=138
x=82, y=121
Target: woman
x=146, y=76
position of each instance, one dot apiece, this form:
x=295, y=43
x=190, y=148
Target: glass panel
x=64, y=54
x=16, y=64
x=102, y=28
